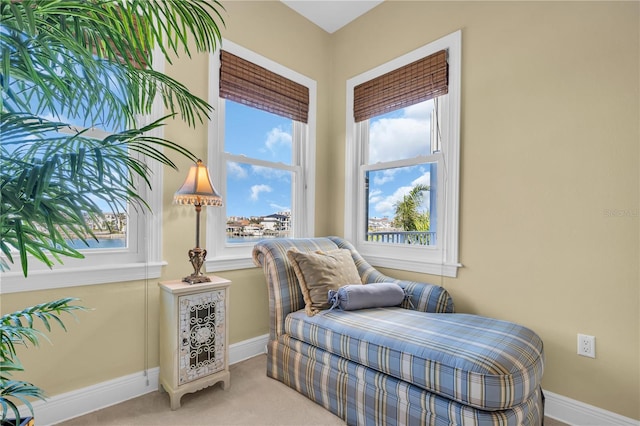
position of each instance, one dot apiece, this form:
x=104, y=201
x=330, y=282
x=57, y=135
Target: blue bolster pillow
x=361, y=296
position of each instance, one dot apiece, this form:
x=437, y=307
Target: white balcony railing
x=422, y=238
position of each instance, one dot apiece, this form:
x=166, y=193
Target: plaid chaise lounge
x=419, y=364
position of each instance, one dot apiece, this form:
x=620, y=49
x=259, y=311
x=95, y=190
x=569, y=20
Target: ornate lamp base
x=195, y=279
x=197, y=257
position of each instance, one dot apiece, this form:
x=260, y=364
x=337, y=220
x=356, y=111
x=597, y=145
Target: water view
x=101, y=243
x=248, y=239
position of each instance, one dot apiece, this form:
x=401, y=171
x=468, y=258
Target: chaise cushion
x=321, y=271
x=482, y=362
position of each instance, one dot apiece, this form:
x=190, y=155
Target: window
x=130, y=253
x=402, y=160
x=262, y=141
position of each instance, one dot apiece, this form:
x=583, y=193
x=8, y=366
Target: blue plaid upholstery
x=394, y=365
x=364, y=396
x=477, y=361
x=285, y=295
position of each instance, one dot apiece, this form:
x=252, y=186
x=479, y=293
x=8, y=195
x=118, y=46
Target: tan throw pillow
x=318, y=272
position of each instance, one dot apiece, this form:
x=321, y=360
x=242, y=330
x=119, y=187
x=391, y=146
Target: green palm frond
x=51, y=186
x=74, y=56
x=14, y=393
x=407, y=215
x=70, y=61
x=18, y=328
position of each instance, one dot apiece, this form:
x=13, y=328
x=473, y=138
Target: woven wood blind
x=247, y=83
x=416, y=82
x=139, y=58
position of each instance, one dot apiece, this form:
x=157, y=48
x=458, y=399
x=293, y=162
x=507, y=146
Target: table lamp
x=197, y=190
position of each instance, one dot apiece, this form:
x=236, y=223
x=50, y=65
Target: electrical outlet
x=586, y=345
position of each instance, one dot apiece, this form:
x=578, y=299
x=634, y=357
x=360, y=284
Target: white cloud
x=271, y=173
x=375, y=196
x=387, y=176
x=385, y=206
x=236, y=170
x=257, y=189
x=279, y=208
x=421, y=111
x=380, y=177
x=277, y=139
x=424, y=179
x=403, y=137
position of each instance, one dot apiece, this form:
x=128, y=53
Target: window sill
x=229, y=264
x=433, y=268
x=444, y=269
x=15, y=282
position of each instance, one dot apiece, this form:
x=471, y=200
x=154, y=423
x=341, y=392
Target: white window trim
x=222, y=256
x=141, y=262
x=444, y=259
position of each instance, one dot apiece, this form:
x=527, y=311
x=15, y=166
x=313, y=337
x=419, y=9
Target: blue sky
x=258, y=191
x=254, y=190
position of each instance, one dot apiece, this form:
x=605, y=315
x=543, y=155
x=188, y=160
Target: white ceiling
x=331, y=15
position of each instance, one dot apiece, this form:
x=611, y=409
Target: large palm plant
x=86, y=61
x=64, y=62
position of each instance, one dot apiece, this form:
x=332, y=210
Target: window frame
x=439, y=260
x=142, y=259
x=222, y=256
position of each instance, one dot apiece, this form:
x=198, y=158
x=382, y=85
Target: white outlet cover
x=586, y=345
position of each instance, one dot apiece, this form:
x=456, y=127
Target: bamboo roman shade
x=416, y=82
x=247, y=83
x=138, y=55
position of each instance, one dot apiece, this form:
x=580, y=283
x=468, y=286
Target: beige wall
x=550, y=145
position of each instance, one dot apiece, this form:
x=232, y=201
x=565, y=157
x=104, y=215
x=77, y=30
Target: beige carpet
x=252, y=399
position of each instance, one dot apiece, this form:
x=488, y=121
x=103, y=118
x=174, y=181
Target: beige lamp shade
x=197, y=189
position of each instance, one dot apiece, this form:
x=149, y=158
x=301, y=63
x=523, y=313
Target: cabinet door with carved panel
x=193, y=336
x=202, y=332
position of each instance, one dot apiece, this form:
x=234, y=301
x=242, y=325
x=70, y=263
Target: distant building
x=276, y=222
x=114, y=223
x=380, y=224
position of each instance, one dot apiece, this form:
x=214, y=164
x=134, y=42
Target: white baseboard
x=247, y=348
x=83, y=401
x=576, y=413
